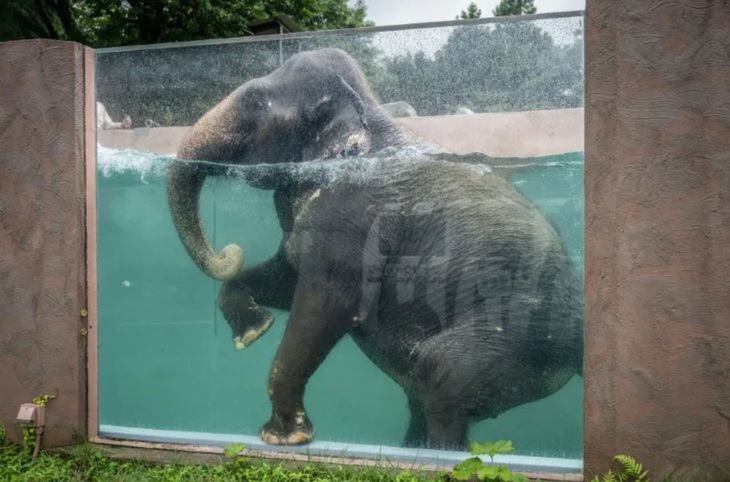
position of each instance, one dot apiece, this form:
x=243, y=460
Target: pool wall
x=43, y=272
x=657, y=223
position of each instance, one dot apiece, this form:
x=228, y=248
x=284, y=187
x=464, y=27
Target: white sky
x=404, y=12
x=397, y=12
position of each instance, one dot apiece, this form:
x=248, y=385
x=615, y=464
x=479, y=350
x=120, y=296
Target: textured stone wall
x=42, y=234
x=657, y=378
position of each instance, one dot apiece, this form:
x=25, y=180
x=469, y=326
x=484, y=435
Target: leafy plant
x=43, y=399
x=231, y=451
x=87, y=463
x=632, y=471
x=28, y=437
x=474, y=466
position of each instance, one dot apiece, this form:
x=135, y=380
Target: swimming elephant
x=450, y=281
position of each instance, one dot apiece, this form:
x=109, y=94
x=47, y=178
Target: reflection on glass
x=410, y=278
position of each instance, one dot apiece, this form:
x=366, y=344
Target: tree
x=472, y=11
x=166, y=87
x=515, y=7
x=104, y=23
x=52, y=19
x=176, y=86
x=510, y=66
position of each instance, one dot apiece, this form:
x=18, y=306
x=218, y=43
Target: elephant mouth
x=350, y=144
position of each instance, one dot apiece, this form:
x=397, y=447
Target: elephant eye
x=263, y=104
x=258, y=102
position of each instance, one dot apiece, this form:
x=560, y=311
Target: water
x=166, y=359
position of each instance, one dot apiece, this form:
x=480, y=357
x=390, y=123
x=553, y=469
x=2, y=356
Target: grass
x=86, y=463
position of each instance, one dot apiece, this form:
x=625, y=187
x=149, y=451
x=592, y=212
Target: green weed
x=632, y=471
x=474, y=467
x=86, y=463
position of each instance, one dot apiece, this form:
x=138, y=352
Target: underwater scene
x=352, y=243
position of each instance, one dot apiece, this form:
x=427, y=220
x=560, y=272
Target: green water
x=166, y=359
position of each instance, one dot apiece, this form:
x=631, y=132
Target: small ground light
x=32, y=415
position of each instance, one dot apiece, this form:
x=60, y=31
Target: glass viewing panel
x=444, y=308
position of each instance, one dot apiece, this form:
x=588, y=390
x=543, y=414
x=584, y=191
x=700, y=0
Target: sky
x=397, y=12
x=428, y=41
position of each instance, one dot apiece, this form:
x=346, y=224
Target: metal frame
x=345, y=31
x=320, y=451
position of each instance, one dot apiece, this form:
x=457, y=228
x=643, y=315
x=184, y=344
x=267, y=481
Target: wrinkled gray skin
x=446, y=278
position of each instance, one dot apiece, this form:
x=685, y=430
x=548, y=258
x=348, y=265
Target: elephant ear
x=336, y=124
x=355, y=101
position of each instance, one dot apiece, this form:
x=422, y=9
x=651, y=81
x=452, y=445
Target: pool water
x=166, y=358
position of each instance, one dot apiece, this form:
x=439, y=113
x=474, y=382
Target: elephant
x=463, y=111
x=400, y=109
x=446, y=277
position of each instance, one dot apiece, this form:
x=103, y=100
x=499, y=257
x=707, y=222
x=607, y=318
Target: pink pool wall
x=657, y=375
x=43, y=279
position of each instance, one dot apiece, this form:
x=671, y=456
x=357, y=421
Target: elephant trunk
x=184, y=184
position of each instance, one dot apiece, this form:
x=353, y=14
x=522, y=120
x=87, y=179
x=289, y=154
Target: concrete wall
x=657, y=377
x=42, y=234
x=520, y=134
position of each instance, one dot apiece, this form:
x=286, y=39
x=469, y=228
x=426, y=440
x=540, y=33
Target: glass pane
x=439, y=301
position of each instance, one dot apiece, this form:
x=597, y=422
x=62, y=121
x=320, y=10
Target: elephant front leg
x=248, y=320
x=270, y=283
x=318, y=320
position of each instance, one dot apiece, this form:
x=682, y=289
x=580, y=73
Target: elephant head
x=317, y=105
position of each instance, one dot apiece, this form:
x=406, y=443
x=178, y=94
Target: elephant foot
x=252, y=332
x=296, y=430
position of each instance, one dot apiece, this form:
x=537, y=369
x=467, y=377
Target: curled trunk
x=184, y=184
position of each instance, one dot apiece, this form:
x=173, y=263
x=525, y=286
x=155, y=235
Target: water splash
x=352, y=170
x=118, y=161
x=324, y=173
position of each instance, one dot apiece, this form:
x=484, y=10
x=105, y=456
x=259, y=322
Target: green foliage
x=492, y=448
x=101, y=23
x=53, y=19
x=85, y=463
x=515, y=7
x=3, y=434
x=505, y=67
x=631, y=466
x=29, y=438
x=508, y=67
x=43, y=400
x=233, y=450
x=472, y=11
x=632, y=471
x=474, y=466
